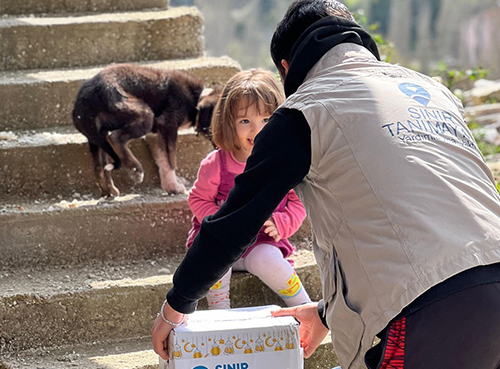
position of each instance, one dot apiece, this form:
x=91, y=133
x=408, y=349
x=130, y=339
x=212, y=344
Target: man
x=404, y=211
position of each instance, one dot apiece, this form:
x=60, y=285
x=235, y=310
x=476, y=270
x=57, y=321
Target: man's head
x=299, y=16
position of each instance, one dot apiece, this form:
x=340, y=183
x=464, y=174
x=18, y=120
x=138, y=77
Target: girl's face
x=248, y=124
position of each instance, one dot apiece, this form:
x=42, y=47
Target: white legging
x=266, y=262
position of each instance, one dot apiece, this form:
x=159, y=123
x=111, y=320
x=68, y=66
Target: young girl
x=245, y=106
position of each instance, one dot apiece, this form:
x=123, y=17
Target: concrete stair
x=52, y=7
x=107, y=301
x=81, y=41
x=82, y=278
x=35, y=162
x=131, y=227
x=130, y=354
x=145, y=225
x=79, y=315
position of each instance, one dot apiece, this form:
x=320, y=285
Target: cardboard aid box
x=248, y=338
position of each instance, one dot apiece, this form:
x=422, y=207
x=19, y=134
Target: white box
x=248, y=338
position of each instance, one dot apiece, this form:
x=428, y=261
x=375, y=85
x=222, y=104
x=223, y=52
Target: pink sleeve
x=202, y=197
x=289, y=220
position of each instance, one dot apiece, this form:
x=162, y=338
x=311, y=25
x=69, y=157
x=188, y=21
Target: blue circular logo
x=200, y=367
x=416, y=92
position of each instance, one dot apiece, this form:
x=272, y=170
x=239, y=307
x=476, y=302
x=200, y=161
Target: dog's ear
x=206, y=92
x=204, y=119
x=206, y=105
x=212, y=93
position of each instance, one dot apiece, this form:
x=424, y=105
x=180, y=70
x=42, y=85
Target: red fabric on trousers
x=394, y=357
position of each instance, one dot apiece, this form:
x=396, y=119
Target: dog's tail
x=86, y=124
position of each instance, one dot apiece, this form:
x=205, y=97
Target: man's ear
x=285, y=65
x=284, y=71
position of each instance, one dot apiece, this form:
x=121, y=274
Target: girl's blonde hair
x=257, y=87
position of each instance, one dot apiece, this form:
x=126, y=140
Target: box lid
x=234, y=319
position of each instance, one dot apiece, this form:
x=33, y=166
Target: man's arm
x=280, y=159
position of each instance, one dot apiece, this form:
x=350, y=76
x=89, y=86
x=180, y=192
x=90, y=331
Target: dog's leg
x=120, y=142
x=139, y=122
x=103, y=177
x=169, y=181
x=161, y=152
x=111, y=189
x=170, y=140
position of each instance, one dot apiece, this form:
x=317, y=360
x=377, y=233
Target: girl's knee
x=264, y=258
x=267, y=263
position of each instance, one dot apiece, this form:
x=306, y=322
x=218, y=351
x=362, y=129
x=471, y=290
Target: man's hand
x=271, y=230
x=312, y=330
x=161, y=330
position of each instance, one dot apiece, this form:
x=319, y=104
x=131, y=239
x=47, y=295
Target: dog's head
x=206, y=104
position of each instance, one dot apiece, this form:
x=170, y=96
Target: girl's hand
x=271, y=230
x=161, y=330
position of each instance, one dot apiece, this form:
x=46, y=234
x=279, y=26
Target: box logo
x=226, y=366
x=232, y=366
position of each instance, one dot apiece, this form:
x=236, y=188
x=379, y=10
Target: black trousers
x=460, y=331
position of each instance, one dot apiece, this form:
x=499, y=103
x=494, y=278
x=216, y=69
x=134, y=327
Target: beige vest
x=398, y=193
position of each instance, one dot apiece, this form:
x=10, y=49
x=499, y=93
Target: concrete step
x=130, y=354
x=44, y=98
x=56, y=307
x=478, y=111
x=80, y=41
x=143, y=225
x=43, y=7
x=80, y=232
x=55, y=164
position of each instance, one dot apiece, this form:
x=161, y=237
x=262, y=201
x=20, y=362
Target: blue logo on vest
x=416, y=92
x=200, y=367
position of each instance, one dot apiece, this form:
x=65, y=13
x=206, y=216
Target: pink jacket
x=216, y=178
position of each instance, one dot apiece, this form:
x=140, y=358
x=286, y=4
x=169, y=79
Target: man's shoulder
x=298, y=101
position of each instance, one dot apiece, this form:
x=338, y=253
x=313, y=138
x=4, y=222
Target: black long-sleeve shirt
x=280, y=159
